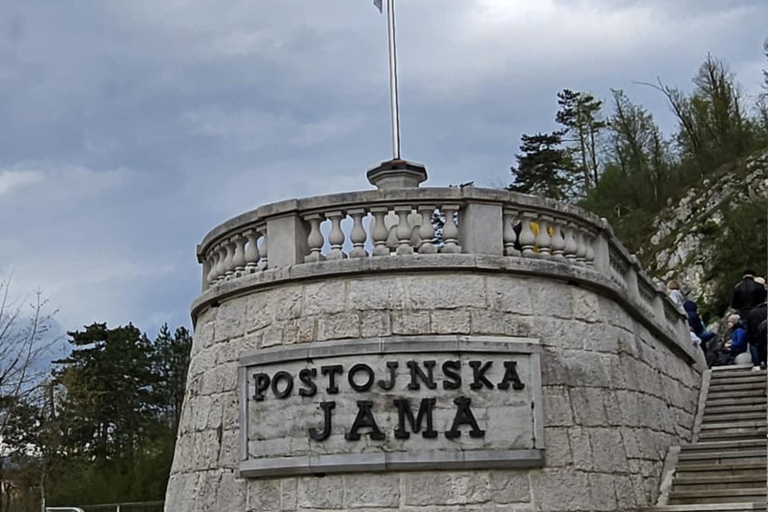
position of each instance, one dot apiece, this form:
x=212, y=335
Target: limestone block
x=631, y=415
x=228, y=453
x=495, y=322
x=581, y=448
x=376, y=294
x=204, y=332
x=558, y=451
x=611, y=365
x=446, y=292
x=338, y=326
x=510, y=486
x=572, y=367
x=613, y=409
x=603, y=337
x=561, y=489
x=264, y=495
x=219, y=379
x=625, y=492
x=450, y=321
x=231, y=495
x=602, y=492
x=557, y=407
x=511, y=295
x=230, y=414
x=410, y=322
x=371, y=490
x=375, y=324
x=615, y=314
x=302, y=330
x=559, y=333
x=438, y=488
x=552, y=300
x=586, y=305
x=321, y=492
x=230, y=320
x=182, y=488
x=631, y=445
x=289, y=493
x=325, y=297
x=208, y=488
x=608, y=450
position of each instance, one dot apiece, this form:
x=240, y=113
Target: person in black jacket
x=696, y=325
x=747, y=294
x=757, y=316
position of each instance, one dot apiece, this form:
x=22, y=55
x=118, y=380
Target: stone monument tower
x=410, y=348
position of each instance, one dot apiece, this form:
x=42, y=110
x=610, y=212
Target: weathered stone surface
x=614, y=396
x=371, y=490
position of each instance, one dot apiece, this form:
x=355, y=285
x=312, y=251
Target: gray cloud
x=131, y=128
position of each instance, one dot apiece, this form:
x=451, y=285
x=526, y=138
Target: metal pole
x=393, y=80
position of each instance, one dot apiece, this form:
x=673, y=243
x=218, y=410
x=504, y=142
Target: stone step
x=721, y=371
x=724, y=445
x=717, y=417
x=722, y=457
x=724, y=425
x=738, y=495
x=715, y=390
x=746, y=377
x=730, y=408
x=733, y=434
x=742, y=468
x=731, y=368
x=722, y=395
x=737, y=401
x=715, y=507
x=719, y=481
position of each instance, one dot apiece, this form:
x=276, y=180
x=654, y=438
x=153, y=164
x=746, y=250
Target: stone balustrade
x=421, y=223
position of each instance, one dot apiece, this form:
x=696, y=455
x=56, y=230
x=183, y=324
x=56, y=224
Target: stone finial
x=397, y=174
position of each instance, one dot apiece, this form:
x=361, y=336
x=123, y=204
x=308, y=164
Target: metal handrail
x=63, y=509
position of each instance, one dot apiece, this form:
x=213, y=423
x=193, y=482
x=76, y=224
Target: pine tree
x=580, y=114
x=544, y=168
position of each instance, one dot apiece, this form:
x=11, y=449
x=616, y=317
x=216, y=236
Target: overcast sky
x=129, y=128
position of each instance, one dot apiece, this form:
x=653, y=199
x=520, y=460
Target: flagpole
x=394, y=96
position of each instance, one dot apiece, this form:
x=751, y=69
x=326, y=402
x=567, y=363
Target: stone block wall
x=615, y=395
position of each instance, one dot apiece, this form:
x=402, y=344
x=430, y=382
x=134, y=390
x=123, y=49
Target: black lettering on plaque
x=478, y=374
x=404, y=412
x=464, y=416
x=284, y=376
x=386, y=386
x=360, y=368
x=332, y=371
x=364, y=419
x=417, y=373
x=261, y=384
x=510, y=375
x=306, y=376
x=451, y=370
x=327, y=407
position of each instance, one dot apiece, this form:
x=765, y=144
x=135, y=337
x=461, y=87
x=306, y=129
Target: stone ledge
x=396, y=461
x=470, y=263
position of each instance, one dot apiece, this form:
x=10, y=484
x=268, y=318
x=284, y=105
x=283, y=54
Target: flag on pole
x=377, y=3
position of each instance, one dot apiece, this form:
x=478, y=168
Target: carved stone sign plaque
x=439, y=402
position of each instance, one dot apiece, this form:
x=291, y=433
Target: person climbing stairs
x=724, y=468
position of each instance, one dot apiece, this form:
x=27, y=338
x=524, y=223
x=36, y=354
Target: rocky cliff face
x=687, y=231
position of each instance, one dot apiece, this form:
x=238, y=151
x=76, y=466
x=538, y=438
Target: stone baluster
x=558, y=240
x=238, y=259
x=336, y=236
x=543, y=239
x=509, y=234
x=589, y=257
x=264, y=262
x=571, y=246
x=221, y=266
x=427, y=230
x=214, y=259
x=252, y=251
x=450, y=230
x=581, y=245
x=358, y=234
x=527, y=237
x=379, y=233
x=315, y=239
x=229, y=260
x=403, y=231
x=414, y=220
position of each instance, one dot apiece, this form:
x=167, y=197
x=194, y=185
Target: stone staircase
x=724, y=469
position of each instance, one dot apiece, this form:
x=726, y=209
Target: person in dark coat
x=757, y=316
x=696, y=325
x=747, y=294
